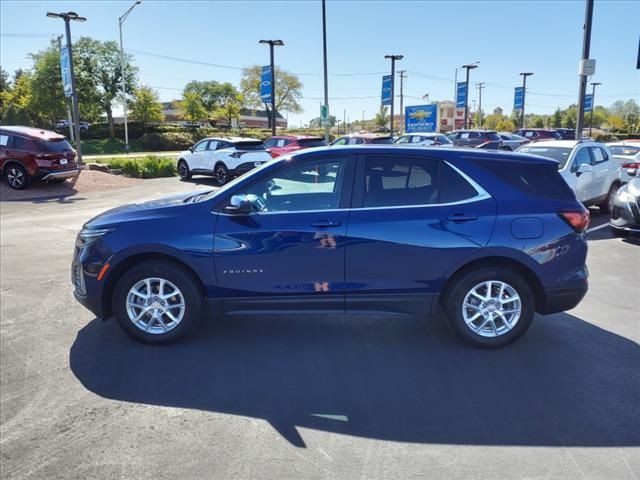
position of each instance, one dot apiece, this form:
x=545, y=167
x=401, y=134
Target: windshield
x=382, y=140
x=559, y=154
x=249, y=145
x=56, y=146
x=312, y=142
x=624, y=150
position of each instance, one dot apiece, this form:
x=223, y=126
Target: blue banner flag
x=266, y=85
x=518, y=98
x=461, y=94
x=66, y=71
x=588, y=102
x=421, y=118
x=386, y=90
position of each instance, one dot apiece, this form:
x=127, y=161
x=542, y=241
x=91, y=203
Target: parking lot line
x=599, y=227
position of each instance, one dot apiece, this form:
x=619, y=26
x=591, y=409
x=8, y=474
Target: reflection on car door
x=290, y=252
x=583, y=181
x=601, y=166
x=412, y=220
x=197, y=156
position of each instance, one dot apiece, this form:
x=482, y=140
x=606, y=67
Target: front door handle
x=461, y=217
x=325, y=224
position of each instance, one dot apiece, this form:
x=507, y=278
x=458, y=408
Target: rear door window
x=25, y=144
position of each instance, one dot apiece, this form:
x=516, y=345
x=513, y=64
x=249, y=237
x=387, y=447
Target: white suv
x=587, y=167
x=223, y=158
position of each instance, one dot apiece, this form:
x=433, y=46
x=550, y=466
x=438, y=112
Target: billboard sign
x=65, y=70
x=518, y=98
x=266, y=85
x=421, y=118
x=386, y=90
x=461, y=95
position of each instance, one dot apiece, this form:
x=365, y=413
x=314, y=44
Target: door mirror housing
x=239, y=205
x=584, y=168
x=191, y=149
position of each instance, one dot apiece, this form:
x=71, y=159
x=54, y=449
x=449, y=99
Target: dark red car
x=283, y=144
x=360, y=138
x=28, y=154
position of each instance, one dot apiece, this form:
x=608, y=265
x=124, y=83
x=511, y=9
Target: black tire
x=605, y=207
x=16, y=176
x=221, y=172
x=617, y=232
x=454, y=299
x=181, y=278
x=183, y=170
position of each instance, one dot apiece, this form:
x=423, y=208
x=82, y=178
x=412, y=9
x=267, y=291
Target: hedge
x=151, y=166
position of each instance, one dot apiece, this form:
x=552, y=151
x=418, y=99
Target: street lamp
x=524, y=94
x=468, y=67
x=393, y=59
x=593, y=104
x=68, y=17
x=273, y=43
x=124, y=80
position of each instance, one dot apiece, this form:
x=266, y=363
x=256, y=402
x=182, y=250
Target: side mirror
x=239, y=205
x=191, y=149
x=584, y=168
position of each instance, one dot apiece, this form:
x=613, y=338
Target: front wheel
x=221, y=173
x=607, y=205
x=157, y=302
x=183, y=170
x=490, y=307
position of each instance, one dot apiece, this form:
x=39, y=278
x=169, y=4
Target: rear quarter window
x=56, y=146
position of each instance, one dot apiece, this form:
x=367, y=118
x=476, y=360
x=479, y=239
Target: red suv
x=28, y=154
x=283, y=144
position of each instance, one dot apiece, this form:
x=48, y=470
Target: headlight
x=625, y=196
x=89, y=235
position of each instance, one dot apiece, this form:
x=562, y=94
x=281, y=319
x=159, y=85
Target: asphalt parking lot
x=318, y=397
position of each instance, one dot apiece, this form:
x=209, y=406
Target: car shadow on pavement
x=566, y=383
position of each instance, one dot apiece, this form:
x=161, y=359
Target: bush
x=151, y=166
x=167, y=141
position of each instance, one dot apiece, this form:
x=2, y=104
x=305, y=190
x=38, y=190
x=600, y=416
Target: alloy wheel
x=491, y=308
x=155, y=305
x=15, y=177
x=221, y=174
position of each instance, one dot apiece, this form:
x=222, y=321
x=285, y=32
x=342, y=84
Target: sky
x=435, y=37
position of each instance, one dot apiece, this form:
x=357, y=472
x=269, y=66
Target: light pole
x=273, y=43
x=124, y=79
x=471, y=66
x=67, y=17
x=524, y=95
x=480, y=87
x=327, y=127
x=586, y=47
x=402, y=77
x=455, y=82
x=593, y=104
x=393, y=59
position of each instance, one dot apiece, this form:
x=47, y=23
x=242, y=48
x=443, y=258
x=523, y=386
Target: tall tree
x=16, y=102
x=146, y=106
x=382, y=117
x=191, y=107
x=556, y=121
x=229, y=104
x=288, y=89
x=98, y=64
x=47, y=101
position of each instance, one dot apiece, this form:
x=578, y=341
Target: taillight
x=576, y=219
x=631, y=165
x=237, y=154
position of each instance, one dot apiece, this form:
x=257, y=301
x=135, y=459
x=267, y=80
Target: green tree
x=229, y=104
x=16, y=101
x=191, y=107
x=382, y=117
x=505, y=125
x=47, y=102
x=570, y=117
x=288, y=89
x=490, y=122
x=538, y=121
x=146, y=107
x=99, y=74
x=556, y=119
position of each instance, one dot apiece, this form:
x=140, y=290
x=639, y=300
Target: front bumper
x=625, y=215
x=46, y=175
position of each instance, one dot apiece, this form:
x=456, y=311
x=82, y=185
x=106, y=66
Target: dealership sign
x=588, y=102
x=518, y=98
x=461, y=95
x=66, y=71
x=266, y=85
x=386, y=90
x=421, y=118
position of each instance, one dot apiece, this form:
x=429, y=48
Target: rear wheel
x=221, y=173
x=157, y=302
x=183, y=170
x=17, y=176
x=607, y=205
x=490, y=307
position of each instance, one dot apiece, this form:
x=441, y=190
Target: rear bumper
x=561, y=299
x=46, y=175
x=244, y=168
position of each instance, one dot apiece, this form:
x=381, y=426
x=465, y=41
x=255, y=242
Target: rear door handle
x=325, y=224
x=461, y=217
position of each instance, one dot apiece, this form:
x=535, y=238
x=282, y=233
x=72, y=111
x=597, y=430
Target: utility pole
x=327, y=127
x=586, y=47
x=593, y=104
x=393, y=59
x=67, y=17
x=273, y=43
x=344, y=121
x=524, y=95
x=466, y=100
x=66, y=101
x=124, y=78
x=480, y=87
x=402, y=77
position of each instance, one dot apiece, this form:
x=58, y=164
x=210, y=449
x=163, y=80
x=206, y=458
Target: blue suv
x=487, y=237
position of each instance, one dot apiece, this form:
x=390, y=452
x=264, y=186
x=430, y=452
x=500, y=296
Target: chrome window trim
x=482, y=194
